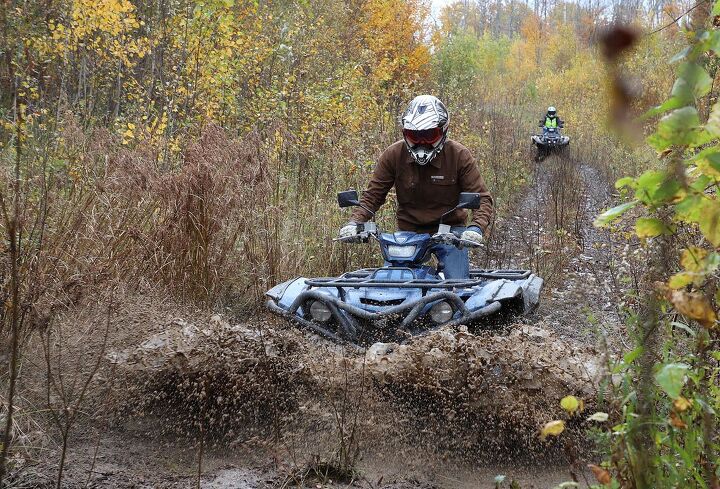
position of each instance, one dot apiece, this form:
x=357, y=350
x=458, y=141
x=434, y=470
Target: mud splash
x=230, y=381
x=464, y=395
x=485, y=394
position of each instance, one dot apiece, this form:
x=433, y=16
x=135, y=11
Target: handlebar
x=365, y=231
x=369, y=230
x=454, y=240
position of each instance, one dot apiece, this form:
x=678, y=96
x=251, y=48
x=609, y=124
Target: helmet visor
x=426, y=136
x=552, y=112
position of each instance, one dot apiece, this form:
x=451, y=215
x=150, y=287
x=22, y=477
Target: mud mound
x=487, y=393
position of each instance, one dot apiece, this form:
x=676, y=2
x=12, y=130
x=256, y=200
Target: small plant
x=665, y=431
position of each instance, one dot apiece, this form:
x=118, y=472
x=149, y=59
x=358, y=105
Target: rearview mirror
x=469, y=200
x=348, y=198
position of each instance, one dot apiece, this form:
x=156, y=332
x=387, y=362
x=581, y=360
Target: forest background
x=114, y=106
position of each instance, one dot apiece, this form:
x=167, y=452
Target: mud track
x=264, y=405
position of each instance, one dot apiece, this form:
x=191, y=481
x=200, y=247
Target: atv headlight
x=319, y=311
x=401, y=251
x=441, y=312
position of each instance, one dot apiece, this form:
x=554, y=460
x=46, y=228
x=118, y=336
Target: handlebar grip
x=470, y=244
x=348, y=239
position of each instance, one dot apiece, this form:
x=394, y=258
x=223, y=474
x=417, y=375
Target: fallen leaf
x=570, y=404
x=602, y=475
x=677, y=422
x=552, y=428
x=599, y=417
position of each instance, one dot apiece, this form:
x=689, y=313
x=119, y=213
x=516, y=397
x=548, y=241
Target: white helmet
x=425, y=124
x=552, y=111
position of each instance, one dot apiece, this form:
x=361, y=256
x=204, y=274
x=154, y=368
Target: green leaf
x=689, y=208
x=714, y=161
x=680, y=280
x=671, y=378
x=649, y=227
x=627, y=360
x=678, y=127
x=700, y=137
x=713, y=124
x=669, y=104
x=612, y=214
x=693, y=82
x=624, y=182
x=716, y=9
x=654, y=187
x=709, y=221
x=713, y=41
x=681, y=55
x=684, y=327
x=702, y=154
x=657, y=142
x=666, y=192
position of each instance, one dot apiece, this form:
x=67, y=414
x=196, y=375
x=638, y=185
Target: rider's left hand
x=473, y=233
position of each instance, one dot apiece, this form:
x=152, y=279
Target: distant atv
x=405, y=297
x=551, y=140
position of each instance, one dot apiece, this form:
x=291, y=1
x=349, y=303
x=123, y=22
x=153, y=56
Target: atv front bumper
x=560, y=142
x=348, y=326
x=366, y=303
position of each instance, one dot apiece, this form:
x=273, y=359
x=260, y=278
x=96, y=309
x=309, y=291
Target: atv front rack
x=366, y=278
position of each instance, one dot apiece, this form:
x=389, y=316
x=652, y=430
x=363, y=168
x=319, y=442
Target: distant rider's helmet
x=425, y=125
x=552, y=112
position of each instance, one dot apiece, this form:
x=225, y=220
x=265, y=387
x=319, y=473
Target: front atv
x=406, y=297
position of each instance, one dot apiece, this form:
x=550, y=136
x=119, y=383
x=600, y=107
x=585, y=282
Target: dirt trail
x=551, y=232
x=446, y=410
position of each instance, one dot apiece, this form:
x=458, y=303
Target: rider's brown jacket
x=424, y=193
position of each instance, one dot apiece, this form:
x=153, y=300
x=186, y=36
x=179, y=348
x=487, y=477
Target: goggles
x=426, y=136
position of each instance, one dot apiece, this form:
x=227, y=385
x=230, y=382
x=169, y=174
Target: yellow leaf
x=649, y=227
x=694, y=306
x=682, y=404
x=692, y=259
x=552, y=428
x=570, y=404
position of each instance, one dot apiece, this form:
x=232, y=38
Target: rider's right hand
x=349, y=230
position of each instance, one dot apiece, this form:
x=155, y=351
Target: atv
x=551, y=140
x=405, y=297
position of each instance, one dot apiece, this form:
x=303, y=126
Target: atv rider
x=551, y=119
x=428, y=172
